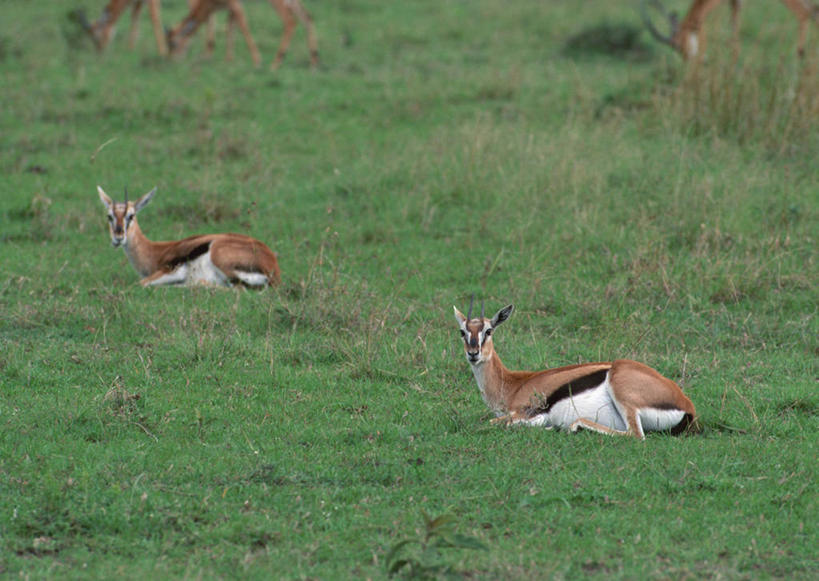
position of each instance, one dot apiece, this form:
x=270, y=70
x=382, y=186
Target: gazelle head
x=122, y=215
x=673, y=38
x=477, y=333
x=177, y=38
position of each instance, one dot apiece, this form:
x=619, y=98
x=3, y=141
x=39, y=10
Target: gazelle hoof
x=502, y=420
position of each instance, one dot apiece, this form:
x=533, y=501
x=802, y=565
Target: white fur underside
x=252, y=278
x=654, y=420
x=598, y=405
x=594, y=404
x=200, y=270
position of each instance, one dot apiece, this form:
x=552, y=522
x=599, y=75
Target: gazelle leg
x=735, y=8
x=289, y=23
x=287, y=10
x=515, y=418
x=159, y=31
x=803, y=13
x=178, y=276
x=229, y=38
x=238, y=13
x=312, y=43
x=102, y=30
x=210, y=40
x=506, y=419
x=627, y=413
x=209, y=35
x=600, y=428
x=178, y=38
x=134, y=31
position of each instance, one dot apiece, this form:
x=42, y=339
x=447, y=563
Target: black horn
x=471, y=302
x=126, y=195
x=481, y=309
x=672, y=20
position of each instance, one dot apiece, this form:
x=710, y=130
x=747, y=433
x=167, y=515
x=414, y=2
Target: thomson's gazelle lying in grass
x=216, y=259
x=622, y=397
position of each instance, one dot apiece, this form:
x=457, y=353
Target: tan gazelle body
x=102, y=30
x=290, y=11
x=687, y=34
x=621, y=397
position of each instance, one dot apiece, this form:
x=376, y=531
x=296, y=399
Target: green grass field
x=628, y=205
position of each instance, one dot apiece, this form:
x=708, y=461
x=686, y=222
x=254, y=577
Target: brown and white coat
x=687, y=34
x=290, y=11
x=621, y=397
x=212, y=259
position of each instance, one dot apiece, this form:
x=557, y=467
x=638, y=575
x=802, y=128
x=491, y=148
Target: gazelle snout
x=476, y=340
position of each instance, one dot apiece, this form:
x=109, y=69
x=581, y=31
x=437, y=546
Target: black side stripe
x=567, y=390
x=195, y=253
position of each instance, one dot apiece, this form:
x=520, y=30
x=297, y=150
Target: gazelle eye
x=463, y=333
x=487, y=332
x=110, y=218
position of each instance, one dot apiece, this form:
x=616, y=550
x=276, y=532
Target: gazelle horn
x=672, y=18
x=471, y=302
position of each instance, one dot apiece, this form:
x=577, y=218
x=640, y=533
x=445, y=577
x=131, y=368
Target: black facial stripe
x=486, y=335
x=570, y=389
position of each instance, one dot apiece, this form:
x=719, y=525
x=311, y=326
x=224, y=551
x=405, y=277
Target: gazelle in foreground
x=290, y=11
x=215, y=259
x=102, y=30
x=688, y=38
x=621, y=397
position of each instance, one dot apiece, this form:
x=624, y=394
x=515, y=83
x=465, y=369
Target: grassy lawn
x=628, y=205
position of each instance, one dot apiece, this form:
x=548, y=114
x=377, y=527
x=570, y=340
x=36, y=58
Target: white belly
x=594, y=404
x=200, y=270
x=598, y=405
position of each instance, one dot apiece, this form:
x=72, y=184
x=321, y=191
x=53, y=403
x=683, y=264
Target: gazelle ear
x=104, y=198
x=502, y=315
x=459, y=316
x=143, y=201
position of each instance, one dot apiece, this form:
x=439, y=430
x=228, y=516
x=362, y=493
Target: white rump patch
x=693, y=44
x=654, y=420
x=252, y=278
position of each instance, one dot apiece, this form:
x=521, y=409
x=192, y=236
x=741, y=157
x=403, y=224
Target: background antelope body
x=687, y=35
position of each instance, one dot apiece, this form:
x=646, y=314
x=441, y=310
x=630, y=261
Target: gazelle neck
x=138, y=249
x=496, y=383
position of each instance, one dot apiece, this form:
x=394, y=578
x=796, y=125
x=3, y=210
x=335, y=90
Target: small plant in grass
x=422, y=557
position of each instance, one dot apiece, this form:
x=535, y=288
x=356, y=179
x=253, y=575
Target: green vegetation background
x=542, y=153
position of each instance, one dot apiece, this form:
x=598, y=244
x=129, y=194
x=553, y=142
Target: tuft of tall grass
x=774, y=105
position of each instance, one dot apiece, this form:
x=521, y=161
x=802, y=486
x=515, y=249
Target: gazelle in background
x=622, y=397
x=102, y=30
x=290, y=11
x=688, y=37
x=214, y=259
